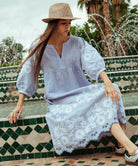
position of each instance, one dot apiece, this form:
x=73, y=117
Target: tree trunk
x=108, y=29
x=118, y=15
x=93, y=7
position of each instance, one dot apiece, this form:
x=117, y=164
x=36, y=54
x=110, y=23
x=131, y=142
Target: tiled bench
x=127, y=81
x=112, y=64
x=30, y=138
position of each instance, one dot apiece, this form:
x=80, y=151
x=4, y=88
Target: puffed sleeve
x=91, y=60
x=25, y=80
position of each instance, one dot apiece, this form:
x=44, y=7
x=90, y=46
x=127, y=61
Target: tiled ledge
x=122, y=63
x=127, y=82
x=30, y=138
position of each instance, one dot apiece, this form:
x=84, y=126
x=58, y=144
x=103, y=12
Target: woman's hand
x=13, y=115
x=110, y=88
x=112, y=91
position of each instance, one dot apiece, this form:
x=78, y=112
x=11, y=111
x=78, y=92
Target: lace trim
x=85, y=141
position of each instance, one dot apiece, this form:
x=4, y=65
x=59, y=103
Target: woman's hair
x=39, y=49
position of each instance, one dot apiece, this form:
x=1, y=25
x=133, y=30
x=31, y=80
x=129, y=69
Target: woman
x=78, y=111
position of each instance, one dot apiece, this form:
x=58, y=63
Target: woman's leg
x=124, y=130
x=121, y=137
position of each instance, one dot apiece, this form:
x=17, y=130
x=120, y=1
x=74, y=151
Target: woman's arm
x=18, y=109
x=110, y=88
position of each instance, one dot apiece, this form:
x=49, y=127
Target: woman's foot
x=131, y=159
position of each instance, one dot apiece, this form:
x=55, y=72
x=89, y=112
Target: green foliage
x=89, y=33
x=11, y=53
x=128, y=31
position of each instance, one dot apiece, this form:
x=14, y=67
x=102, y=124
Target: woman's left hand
x=112, y=91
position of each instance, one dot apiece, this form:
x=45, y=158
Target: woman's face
x=63, y=27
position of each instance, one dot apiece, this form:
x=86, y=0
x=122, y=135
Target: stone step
x=30, y=138
x=122, y=63
x=126, y=80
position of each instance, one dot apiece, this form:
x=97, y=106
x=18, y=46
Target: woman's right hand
x=15, y=114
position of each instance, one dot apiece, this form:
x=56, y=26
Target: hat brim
x=47, y=20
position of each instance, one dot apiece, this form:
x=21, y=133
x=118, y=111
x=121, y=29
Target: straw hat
x=59, y=11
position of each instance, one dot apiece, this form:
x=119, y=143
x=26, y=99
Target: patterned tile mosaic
x=97, y=159
x=127, y=82
x=121, y=63
x=30, y=138
x=112, y=64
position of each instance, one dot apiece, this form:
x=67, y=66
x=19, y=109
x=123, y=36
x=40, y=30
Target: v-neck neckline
x=51, y=45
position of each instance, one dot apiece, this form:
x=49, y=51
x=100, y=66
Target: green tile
x=134, y=138
x=20, y=122
x=132, y=120
x=5, y=136
x=50, y=154
x=3, y=151
x=61, y=161
x=37, y=155
x=122, y=165
x=39, y=120
x=10, y=158
x=33, y=121
x=31, y=156
x=26, y=121
x=101, y=163
x=11, y=150
x=44, y=155
x=1, y=124
x=17, y=157
x=81, y=162
x=30, y=163
x=108, y=157
x=5, y=158
x=38, y=128
x=24, y=133
x=20, y=149
x=28, y=129
x=1, y=132
x=105, y=141
x=95, y=159
x=19, y=131
x=15, y=145
x=46, y=128
x=114, y=160
x=66, y=165
x=24, y=156
x=6, y=146
x=13, y=124
x=30, y=148
x=48, y=146
x=39, y=147
x=6, y=124
x=14, y=136
x=9, y=131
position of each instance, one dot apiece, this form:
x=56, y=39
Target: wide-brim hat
x=59, y=11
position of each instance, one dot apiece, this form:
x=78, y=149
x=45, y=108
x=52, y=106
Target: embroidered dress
x=78, y=110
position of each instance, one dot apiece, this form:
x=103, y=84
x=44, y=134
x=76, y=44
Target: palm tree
x=93, y=7
x=117, y=4
x=108, y=29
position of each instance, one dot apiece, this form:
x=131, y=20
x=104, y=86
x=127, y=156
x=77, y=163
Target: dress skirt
x=81, y=116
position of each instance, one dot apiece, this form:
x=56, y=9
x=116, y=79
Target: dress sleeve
x=25, y=80
x=91, y=60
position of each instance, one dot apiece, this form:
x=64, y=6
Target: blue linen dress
x=78, y=110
